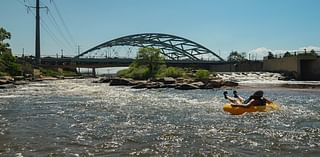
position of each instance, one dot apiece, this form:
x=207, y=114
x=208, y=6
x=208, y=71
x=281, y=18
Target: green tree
x=8, y=64
x=4, y=47
x=150, y=57
x=7, y=61
x=146, y=65
x=236, y=57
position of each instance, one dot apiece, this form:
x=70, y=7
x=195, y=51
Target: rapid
x=80, y=118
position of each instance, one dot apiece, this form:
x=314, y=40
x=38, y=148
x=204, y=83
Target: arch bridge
x=171, y=46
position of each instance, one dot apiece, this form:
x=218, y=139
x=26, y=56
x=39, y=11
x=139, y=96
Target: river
x=79, y=118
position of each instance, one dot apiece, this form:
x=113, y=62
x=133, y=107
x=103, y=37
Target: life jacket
x=258, y=101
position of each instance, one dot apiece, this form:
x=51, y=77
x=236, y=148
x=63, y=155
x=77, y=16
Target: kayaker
x=256, y=99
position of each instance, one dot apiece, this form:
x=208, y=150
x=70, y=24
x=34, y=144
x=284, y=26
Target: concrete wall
x=238, y=67
x=294, y=64
x=283, y=64
x=310, y=70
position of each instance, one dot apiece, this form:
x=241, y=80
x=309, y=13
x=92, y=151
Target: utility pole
x=61, y=53
x=22, y=52
x=78, y=49
x=37, y=39
x=37, y=32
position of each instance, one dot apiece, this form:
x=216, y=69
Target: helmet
x=258, y=94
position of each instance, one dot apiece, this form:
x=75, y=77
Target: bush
x=69, y=73
x=3, y=74
x=14, y=69
x=50, y=72
x=139, y=73
x=124, y=73
x=202, y=74
x=27, y=68
x=8, y=65
x=171, y=72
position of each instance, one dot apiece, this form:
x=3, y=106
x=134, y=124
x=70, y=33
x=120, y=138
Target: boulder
x=213, y=84
x=140, y=85
x=18, y=78
x=165, y=80
x=120, y=82
x=6, y=80
x=155, y=85
x=186, y=86
x=20, y=82
x=48, y=78
x=230, y=83
x=198, y=84
x=169, y=86
x=180, y=80
x=169, y=80
x=104, y=80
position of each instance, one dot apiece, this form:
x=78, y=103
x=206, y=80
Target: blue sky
x=253, y=26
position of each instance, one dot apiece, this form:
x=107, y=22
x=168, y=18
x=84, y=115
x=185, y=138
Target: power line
x=63, y=22
x=47, y=29
x=44, y=25
x=58, y=28
x=65, y=34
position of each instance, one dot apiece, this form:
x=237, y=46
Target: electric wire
x=49, y=32
x=65, y=34
x=58, y=28
x=63, y=22
x=69, y=41
x=43, y=24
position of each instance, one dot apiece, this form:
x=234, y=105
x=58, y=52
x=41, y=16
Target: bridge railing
x=294, y=53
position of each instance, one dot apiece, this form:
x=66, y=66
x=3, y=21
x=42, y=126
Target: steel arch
x=171, y=46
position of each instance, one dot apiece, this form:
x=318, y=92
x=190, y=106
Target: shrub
x=139, y=73
x=50, y=72
x=124, y=73
x=3, y=74
x=14, y=69
x=171, y=72
x=202, y=74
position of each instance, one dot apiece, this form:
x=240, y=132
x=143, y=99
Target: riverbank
x=12, y=82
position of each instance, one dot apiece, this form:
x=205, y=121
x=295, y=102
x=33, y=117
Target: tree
x=150, y=57
x=146, y=65
x=270, y=55
x=287, y=54
x=8, y=62
x=4, y=47
x=236, y=57
x=313, y=53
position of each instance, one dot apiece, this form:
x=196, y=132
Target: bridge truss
x=173, y=47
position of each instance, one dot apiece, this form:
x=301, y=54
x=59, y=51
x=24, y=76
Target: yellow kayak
x=237, y=110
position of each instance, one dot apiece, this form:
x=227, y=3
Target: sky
x=251, y=26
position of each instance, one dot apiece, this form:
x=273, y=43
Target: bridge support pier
x=94, y=72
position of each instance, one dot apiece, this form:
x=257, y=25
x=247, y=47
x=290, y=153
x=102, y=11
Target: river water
x=79, y=118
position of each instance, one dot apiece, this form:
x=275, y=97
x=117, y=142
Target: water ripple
x=78, y=118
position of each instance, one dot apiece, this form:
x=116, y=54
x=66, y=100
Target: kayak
x=237, y=110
